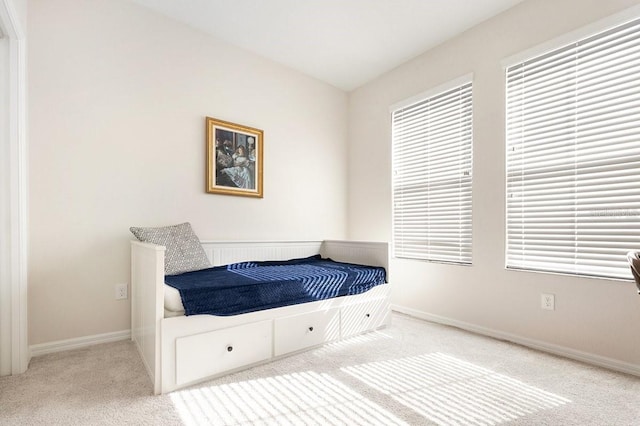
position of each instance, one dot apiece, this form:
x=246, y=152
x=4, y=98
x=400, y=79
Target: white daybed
x=182, y=350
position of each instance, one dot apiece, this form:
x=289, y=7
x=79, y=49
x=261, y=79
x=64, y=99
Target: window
x=573, y=156
x=432, y=160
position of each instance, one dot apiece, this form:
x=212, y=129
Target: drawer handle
x=229, y=348
x=368, y=315
x=310, y=328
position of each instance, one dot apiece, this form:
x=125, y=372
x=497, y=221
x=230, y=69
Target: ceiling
x=345, y=43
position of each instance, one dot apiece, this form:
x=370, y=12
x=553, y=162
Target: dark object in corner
x=634, y=263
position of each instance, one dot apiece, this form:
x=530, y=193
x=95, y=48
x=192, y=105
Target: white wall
x=599, y=317
x=118, y=97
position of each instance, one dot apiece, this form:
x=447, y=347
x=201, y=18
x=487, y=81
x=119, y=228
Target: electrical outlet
x=121, y=291
x=548, y=302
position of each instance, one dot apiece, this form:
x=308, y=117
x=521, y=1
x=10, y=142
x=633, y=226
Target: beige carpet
x=414, y=372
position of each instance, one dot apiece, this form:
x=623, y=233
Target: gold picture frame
x=234, y=159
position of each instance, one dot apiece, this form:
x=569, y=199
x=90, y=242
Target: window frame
x=442, y=89
x=618, y=20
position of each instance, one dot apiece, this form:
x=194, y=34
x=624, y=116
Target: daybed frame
x=180, y=351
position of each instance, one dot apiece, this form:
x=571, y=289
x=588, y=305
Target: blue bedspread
x=252, y=286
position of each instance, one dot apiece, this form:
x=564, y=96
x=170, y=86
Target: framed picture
x=234, y=159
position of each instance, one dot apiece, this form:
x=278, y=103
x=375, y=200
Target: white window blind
x=432, y=159
x=573, y=156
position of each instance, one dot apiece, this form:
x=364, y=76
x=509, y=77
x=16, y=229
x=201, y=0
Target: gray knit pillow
x=184, y=252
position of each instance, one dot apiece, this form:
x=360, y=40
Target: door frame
x=14, y=259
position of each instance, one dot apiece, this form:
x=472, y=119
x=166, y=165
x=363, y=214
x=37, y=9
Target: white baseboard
x=601, y=361
x=78, y=342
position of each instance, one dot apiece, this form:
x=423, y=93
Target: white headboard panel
x=223, y=253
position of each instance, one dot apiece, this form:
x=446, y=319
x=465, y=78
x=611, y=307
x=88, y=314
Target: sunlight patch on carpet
x=449, y=391
x=350, y=342
x=299, y=398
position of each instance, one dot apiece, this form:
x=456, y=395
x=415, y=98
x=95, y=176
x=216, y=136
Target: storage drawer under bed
x=207, y=354
x=306, y=330
x=365, y=316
